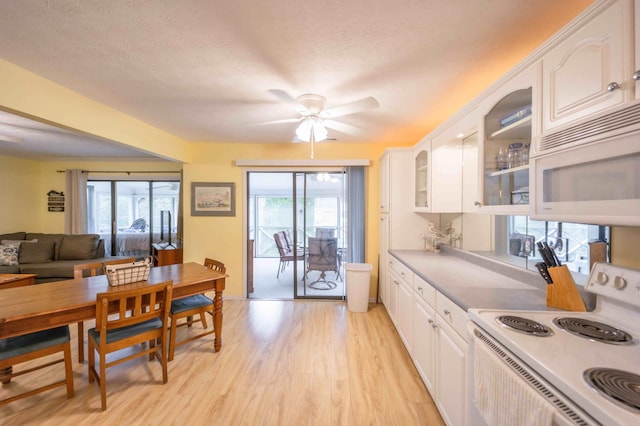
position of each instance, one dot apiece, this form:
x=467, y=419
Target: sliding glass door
x=321, y=217
x=126, y=214
x=298, y=225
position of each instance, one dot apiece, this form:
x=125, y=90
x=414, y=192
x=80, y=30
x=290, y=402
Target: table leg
x=5, y=375
x=217, y=320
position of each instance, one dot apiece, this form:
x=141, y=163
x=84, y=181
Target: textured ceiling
x=206, y=70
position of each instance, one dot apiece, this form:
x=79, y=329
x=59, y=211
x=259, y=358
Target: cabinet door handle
x=612, y=86
x=446, y=312
x=477, y=203
x=420, y=289
x=636, y=75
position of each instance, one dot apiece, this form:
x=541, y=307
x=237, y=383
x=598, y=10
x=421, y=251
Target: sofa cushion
x=78, y=247
x=36, y=252
x=43, y=238
x=9, y=254
x=13, y=236
x=58, y=269
x=9, y=269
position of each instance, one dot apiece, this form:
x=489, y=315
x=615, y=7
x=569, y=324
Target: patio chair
x=323, y=257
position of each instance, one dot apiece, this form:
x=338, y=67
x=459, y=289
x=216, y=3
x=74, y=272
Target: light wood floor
x=281, y=363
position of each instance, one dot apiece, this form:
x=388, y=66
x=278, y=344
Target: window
x=126, y=214
x=517, y=238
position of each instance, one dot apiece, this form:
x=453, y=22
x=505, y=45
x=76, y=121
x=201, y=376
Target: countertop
x=472, y=281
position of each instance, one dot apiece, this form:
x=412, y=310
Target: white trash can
x=357, y=282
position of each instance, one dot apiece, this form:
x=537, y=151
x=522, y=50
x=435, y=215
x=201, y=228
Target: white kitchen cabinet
x=591, y=69
x=450, y=369
x=382, y=259
x=422, y=177
x=470, y=172
x=446, y=176
x=384, y=183
x=424, y=333
x=400, y=227
x=392, y=296
x=405, y=314
x=510, y=119
x=401, y=300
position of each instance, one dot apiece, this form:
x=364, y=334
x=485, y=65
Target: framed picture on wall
x=213, y=199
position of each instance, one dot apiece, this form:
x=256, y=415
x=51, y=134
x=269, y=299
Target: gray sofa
x=50, y=256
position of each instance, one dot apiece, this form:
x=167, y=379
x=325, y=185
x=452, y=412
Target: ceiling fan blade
x=288, y=99
x=351, y=108
x=283, y=121
x=342, y=127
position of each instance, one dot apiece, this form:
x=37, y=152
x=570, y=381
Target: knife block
x=563, y=293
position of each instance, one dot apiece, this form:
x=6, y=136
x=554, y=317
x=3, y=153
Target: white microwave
x=596, y=183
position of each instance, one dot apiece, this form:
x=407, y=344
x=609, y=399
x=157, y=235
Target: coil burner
x=593, y=330
x=621, y=387
x=524, y=325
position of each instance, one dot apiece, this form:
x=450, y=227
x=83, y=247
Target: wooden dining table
x=39, y=307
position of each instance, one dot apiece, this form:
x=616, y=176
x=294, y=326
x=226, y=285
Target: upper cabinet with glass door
x=592, y=69
x=422, y=177
x=510, y=117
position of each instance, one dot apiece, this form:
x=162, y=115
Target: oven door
x=527, y=390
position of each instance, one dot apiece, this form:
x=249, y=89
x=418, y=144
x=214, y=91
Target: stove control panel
x=615, y=282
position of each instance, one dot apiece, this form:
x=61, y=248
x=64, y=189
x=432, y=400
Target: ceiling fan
x=315, y=119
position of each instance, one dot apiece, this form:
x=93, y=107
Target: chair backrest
x=93, y=269
x=281, y=243
x=287, y=239
x=216, y=265
x=323, y=254
x=139, y=225
x=141, y=303
x=325, y=232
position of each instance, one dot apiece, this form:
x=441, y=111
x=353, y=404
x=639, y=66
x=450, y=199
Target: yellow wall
x=21, y=194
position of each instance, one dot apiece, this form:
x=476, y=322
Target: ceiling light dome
x=310, y=128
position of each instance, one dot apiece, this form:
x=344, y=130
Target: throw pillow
x=37, y=252
x=9, y=254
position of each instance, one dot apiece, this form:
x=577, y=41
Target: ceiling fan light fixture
x=311, y=127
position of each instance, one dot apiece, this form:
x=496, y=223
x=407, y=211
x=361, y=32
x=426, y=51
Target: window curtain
x=180, y=208
x=356, y=214
x=75, y=216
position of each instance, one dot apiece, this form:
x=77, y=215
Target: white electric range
x=586, y=364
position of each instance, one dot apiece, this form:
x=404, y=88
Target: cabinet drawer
x=452, y=314
x=403, y=272
x=424, y=290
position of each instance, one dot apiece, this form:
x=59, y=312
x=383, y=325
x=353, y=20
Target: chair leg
x=172, y=338
x=68, y=371
x=92, y=360
x=81, y=342
x=203, y=320
x=163, y=360
x=103, y=380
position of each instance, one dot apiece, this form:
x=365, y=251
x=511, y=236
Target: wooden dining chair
x=30, y=347
x=142, y=316
x=83, y=270
x=190, y=306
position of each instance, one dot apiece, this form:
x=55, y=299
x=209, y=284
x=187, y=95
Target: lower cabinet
x=400, y=307
x=405, y=315
x=424, y=343
x=450, y=374
x=433, y=329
